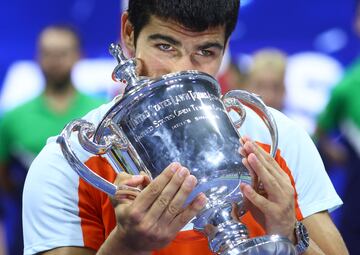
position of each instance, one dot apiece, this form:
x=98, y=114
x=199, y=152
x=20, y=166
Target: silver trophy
x=180, y=117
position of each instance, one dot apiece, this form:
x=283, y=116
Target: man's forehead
x=176, y=26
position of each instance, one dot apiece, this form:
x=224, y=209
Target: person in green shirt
x=342, y=116
x=25, y=129
x=338, y=139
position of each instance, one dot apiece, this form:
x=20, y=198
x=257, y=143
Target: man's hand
x=149, y=220
x=271, y=202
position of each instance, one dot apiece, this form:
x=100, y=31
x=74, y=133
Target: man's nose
x=183, y=64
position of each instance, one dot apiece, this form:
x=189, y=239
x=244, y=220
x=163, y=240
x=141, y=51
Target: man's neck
x=59, y=100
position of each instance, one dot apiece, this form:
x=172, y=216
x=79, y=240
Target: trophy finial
x=116, y=51
x=125, y=71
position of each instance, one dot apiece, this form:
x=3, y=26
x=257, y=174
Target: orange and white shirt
x=60, y=209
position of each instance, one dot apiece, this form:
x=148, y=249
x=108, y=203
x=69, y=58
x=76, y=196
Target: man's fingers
x=189, y=213
x=147, y=197
x=178, y=186
x=130, y=180
x=242, y=151
x=177, y=203
x=244, y=139
x=124, y=195
x=265, y=158
x=254, y=178
x=257, y=200
x=269, y=181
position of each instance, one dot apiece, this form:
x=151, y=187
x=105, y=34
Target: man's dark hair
x=197, y=15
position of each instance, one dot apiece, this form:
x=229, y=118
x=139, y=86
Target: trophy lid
x=125, y=71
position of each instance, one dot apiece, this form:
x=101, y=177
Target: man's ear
x=127, y=34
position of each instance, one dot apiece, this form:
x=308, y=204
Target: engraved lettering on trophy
x=201, y=107
x=180, y=98
x=145, y=132
x=205, y=117
x=200, y=95
x=180, y=124
x=159, y=109
x=162, y=105
x=158, y=123
x=182, y=111
x=139, y=118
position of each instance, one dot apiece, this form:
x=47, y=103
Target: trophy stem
x=222, y=231
x=229, y=235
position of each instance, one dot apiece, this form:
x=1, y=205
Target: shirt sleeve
x=334, y=110
x=301, y=161
x=50, y=203
x=315, y=191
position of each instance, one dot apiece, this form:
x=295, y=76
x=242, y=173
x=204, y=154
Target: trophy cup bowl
x=180, y=117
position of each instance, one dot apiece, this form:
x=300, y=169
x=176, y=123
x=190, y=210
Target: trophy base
x=229, y=237
x=264, y=245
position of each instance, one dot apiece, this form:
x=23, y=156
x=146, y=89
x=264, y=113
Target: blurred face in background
x=267, y=76
x=58, y=51
x=270, y=86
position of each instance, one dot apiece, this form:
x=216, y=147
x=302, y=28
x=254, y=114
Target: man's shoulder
x=351, y=78
x=255, y=127
x=97, y=114
x=91, y=99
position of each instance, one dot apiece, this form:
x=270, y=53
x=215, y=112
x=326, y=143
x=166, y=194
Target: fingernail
x=201, y=200
x=190, y=181
x=182, y=172
x=137, y=177
x=254, y=145
x=248, y=189
x=174, y=167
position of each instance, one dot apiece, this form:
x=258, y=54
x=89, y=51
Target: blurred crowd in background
x=301, y=58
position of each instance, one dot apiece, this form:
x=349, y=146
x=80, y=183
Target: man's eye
x=164, y=47
x=206, y=53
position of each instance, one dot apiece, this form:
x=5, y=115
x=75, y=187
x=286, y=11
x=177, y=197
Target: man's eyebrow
x=166, y=38
x=210, y=45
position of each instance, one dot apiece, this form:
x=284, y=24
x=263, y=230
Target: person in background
x=2, y=237
x=232, y=78
x=63, y=214
x=25, y=129
x=266, y=76
x=338, y=138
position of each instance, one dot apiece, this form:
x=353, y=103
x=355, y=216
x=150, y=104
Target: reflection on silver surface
x=180, y=117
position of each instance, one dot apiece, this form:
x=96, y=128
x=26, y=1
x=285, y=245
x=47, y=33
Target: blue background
x=293, y=26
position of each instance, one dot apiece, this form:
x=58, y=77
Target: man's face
x=166, y=46
x=270, y=86
x=58, y=53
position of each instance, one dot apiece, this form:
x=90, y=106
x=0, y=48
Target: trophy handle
x=85, y=131
x=235, y=99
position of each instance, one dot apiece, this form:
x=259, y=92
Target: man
x=25, y=129
x=267, y=77
x=68, y=216
x=337, y=134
